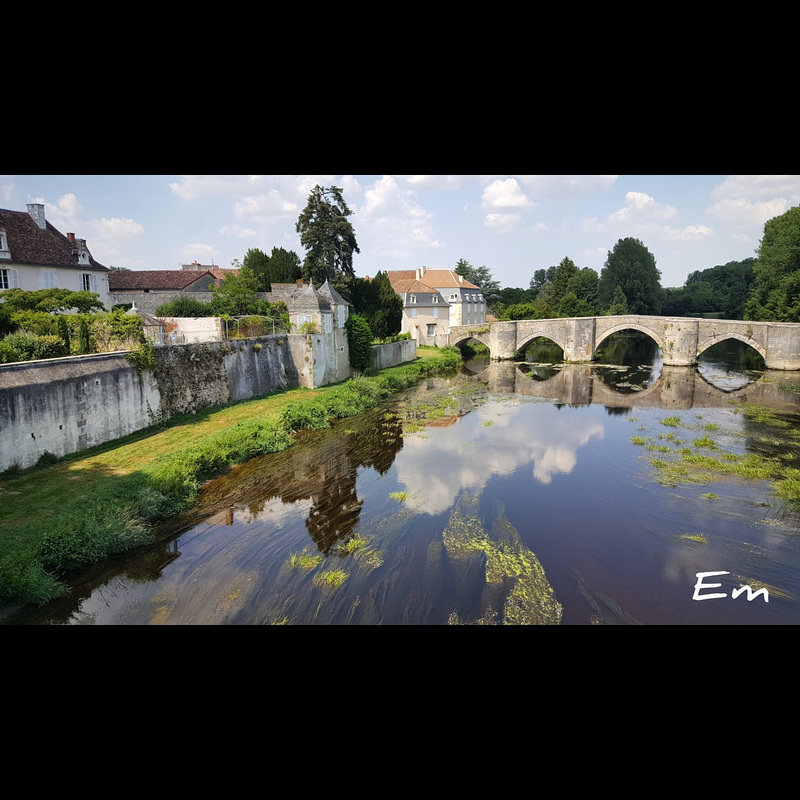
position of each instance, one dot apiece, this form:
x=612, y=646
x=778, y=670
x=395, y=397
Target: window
x=9, y=279
x=4, y=251
x=48, y=279
x=436, y=313
x=435, y=298
x=412, y=299
x=431, y=330
x=413, y=313
x=88, y=282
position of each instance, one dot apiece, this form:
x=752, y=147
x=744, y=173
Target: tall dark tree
x=481, y=277
x=775, y=295
x=328, y=238
x=284, y=266
x=376, y=301
x=257, y=262
x=632, y=267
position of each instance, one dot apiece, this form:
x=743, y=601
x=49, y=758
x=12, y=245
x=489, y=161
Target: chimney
x=71, y=237
x=36, y=210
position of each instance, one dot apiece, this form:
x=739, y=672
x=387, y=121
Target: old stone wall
x=65, y=405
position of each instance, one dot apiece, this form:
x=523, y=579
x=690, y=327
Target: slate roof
x=164, y=279
x=30, y=244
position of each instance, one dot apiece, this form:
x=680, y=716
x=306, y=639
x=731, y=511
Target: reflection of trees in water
x=321, y=466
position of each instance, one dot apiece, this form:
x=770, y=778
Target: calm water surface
x=512, y=493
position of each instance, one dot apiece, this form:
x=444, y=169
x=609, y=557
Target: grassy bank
x=85, y=507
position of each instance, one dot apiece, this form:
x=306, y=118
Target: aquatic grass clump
x=333, y=578
x=671, y=422
x=399, y=496
x=351, y=545
x=695, y=537
x=304, y=559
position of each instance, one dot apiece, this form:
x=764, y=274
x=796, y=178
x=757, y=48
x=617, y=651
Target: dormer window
x=412, y=298
x=4, y=251
x=435, y=298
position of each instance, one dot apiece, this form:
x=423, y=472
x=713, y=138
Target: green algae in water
x=510, y=567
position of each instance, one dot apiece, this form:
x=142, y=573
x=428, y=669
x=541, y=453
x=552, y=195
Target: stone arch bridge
x=681, y=339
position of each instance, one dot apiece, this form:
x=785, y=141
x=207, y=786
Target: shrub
x=30, y=346
x=185, y=306
x=359, y=341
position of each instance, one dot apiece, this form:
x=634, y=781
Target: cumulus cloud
x=389, y=215
x=503, y=194
x=745, y=213
x=642, y=208
x=505, y=223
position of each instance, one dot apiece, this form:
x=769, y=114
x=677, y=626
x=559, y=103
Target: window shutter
x=14, y=279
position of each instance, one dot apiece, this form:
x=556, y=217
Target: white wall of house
x=30, y=278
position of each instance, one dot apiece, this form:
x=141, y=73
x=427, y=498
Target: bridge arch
x=459, y=339
x=712, y=340
x=531, y=336
x=626, y=326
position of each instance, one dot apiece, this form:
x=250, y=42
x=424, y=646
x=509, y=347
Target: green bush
x=30, y=346
x=186, y=306
x=359, y=341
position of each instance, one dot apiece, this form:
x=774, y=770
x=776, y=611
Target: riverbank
x=85, y=507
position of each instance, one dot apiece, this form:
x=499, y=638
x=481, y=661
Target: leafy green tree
x=284, y=266
x=775, y=295
x=376, y=301
x=619, y=303
x=541, y=277
x=631, y=266
x=359, y=342
x=328, y=238
x=481, y=277
x=564, y=271
x=51, y=300
x=584, y=285
x=256, y=264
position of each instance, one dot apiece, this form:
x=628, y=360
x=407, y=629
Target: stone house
x=150, y=288
x=35, y=255
x=324, y=308
x=435, y=299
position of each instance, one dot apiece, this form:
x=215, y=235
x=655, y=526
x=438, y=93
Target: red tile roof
x=124, y=280
x=48, y=247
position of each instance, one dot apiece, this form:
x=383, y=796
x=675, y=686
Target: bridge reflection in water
x=582, y=384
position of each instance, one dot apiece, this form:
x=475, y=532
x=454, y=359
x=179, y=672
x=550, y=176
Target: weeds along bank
x=113, y=509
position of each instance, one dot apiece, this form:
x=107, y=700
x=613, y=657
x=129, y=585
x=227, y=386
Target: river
x=530, y=492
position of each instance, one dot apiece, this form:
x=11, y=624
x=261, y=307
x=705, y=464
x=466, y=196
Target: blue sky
x=511, y=224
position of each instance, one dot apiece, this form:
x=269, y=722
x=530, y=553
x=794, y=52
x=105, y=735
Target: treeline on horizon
x=764, y=288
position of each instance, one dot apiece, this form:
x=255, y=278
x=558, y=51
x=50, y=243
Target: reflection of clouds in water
x=518, y=435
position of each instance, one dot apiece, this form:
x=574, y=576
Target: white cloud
x=388, y=219
x=557, y=187
x=237, y=231
x=505, y=223
x=759, y=187
x=745, y=213
x=689, y=233
x=642, y=208
x=503, y=194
